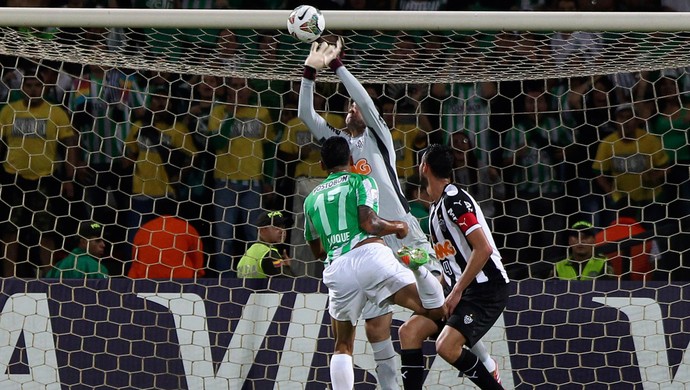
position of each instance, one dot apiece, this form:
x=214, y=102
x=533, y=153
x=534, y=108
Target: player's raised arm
x=318, y=55
x=366, y=105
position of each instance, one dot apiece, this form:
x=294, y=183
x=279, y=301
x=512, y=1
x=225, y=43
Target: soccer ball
x=306, y=23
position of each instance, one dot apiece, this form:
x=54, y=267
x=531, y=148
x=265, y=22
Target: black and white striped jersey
x=451, y=219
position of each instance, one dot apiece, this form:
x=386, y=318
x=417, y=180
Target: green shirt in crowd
x=78, y=265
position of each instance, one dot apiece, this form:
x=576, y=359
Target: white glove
x=321, y=54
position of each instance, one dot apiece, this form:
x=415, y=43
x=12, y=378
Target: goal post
x=181, y=98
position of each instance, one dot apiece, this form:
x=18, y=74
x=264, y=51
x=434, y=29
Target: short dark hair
x=335, y=152
x=440, y=160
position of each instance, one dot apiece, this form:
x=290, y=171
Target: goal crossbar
x=351, y=20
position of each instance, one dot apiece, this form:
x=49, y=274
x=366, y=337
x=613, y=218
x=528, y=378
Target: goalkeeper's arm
x=318, y=56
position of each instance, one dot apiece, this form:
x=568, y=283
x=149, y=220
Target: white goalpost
x=217, y=76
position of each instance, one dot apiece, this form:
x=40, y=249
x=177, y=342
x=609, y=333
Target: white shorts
x=369, y=275
x=415, y=239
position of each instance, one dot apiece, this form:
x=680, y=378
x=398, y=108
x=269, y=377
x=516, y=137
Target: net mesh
x=374, y=56
x=202, y=124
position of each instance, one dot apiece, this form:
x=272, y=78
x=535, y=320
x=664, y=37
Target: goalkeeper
x=373, y=154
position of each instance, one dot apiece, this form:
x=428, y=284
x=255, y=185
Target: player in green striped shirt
x=343, y=228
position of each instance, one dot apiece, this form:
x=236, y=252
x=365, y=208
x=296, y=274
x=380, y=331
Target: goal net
x=111, y=118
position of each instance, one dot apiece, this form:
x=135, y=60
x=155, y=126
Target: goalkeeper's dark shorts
x=478, y=310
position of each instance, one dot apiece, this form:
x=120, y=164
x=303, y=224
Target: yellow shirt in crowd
x=150, y=177
x=32, y=137
x=297, y=136
x=250, y=128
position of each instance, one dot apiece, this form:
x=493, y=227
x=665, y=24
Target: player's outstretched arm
x=305, y=108
x=359, y=95
x=373, y=224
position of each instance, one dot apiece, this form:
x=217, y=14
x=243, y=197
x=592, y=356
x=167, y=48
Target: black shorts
x=478, y=310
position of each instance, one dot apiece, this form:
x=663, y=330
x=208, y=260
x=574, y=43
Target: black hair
x=335, y=152
x=440, y=160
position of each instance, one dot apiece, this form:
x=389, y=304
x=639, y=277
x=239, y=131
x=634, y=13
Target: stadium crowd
x=119, y=147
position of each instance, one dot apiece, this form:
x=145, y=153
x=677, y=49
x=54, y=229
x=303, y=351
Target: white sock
x=387, y=369
x=342, y=372
x=429, y=288
x=482, y=353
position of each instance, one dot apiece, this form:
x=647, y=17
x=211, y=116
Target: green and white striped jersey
x=330, y=212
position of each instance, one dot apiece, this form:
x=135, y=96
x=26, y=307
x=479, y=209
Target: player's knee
x=449, y=353
x=408, y=333
x=378, y=328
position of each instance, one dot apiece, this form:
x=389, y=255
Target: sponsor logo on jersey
x=331, y=183
x=444, y=249
x=362, y=167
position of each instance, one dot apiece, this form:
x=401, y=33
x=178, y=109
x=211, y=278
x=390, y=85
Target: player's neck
x=435, y=187
x=340, y=169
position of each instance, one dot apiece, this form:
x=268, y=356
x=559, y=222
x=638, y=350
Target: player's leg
x=475, y=314
x=346, y=299
x=388, y=277
x=450, y=347
x=341, y=368
x=482, y=353
x=409, y=297
x=429, y=289
x=378, y=321
x=412, y=335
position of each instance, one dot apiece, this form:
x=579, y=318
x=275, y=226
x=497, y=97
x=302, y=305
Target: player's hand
x=286, y=259
x=452, y=301
x=333, y=51
x=317, y=55
x=402, y=230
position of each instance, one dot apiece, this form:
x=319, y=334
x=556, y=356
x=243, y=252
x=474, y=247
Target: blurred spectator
x=160, y=148
x=40, y=156
x=676, y=5
x=228, y=49
x=533, y=155
x=419, y=200
x=588, y=112
x=159, y=43
x=630, y=165
x=84, y=260
x=197, y=195
x=632, y=258
x=198, y=44
x=466, y=174
x=207, y=95
x=465, y=107
x=239, y=175
x=167, y=247
x=100, y=104
x=418, y=5
x=582, y=262
x=574, y=47
x=671, y=123
x=303, y=152
x=263, y=259
x=408, y=138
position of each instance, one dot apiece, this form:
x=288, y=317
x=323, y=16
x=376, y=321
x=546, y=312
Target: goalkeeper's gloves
x=321, y=54
x=317, y=55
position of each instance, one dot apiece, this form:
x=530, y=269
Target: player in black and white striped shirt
x=472, y=267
